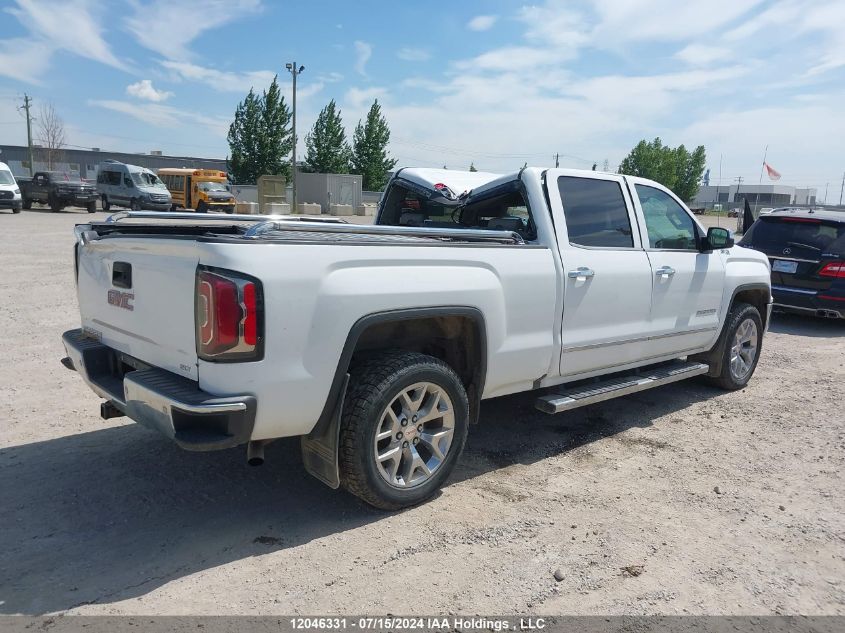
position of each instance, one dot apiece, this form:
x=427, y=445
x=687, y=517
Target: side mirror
x=717, y=238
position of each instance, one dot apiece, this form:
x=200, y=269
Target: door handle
x=667, y=271
x=581, y=271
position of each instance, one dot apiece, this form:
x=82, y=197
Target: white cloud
x=413, y=54
x=168, y=27
x=703, y=55
x=219, y=80
x=24, y=59
x=72, y=26
x=164, y=116
x=358, y=98
x=144, y=89
x=482, y=22
x=363, y=52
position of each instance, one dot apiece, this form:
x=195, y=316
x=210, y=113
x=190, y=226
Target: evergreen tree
x=260, y=138
x=472, y=167
x=327, y=151
x=369, y=150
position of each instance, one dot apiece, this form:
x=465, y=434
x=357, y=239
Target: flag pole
x=762, y=167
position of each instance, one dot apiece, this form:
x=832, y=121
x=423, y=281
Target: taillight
x=833, y=269
x=228, y=316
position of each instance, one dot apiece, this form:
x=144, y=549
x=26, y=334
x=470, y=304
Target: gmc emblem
x=121, y=299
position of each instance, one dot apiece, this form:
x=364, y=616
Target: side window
x=668, y=225
x=113, y=177
x=127, y=181
x=595, y=212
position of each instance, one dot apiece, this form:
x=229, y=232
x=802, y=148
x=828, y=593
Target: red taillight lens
x=833, y=269
x=227, y=316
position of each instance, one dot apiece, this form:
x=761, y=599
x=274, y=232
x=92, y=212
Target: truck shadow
x=113, y=514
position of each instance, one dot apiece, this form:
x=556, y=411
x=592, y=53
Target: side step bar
x=620, y=386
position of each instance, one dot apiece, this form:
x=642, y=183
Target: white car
x=10, y=193
x=376, y=344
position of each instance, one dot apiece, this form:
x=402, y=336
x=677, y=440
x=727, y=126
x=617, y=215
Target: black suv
x=806, y=249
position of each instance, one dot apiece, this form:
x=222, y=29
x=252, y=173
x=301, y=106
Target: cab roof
x=818, y=214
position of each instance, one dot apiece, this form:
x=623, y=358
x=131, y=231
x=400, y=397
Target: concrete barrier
x=247, y=208
x=277, y=208
x=308, y=208
x=341, y=209
x=366, y=209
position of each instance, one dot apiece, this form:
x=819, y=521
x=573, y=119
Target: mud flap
x=320, y=447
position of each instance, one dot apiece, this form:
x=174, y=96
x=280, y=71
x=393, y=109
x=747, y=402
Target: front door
x=688, y=284
x=607, y=280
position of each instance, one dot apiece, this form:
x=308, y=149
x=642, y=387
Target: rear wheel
x=403, y=428
x=105, y=203
x=741, y=351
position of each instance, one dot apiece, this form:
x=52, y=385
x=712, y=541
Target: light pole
x=294, y=70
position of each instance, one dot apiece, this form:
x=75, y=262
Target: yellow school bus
x=204, y=190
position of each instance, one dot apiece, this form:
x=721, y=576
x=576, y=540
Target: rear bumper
x=823, y=303
x=160, y=400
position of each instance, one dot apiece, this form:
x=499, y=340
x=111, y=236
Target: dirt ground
x=680, y=500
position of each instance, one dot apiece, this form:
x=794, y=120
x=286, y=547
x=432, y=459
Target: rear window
x=595, y=212
x=805, y=236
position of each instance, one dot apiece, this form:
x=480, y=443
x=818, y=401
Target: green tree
x=675, y=168
x=327, y=151
x=472, y=167
x=260, y=138
x=369, y=150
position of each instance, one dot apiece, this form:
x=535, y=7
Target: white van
x=131, y=186
x=10, y=193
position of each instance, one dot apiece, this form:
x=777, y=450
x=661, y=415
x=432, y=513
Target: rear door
x=607, y=277
x=137, y=296
x=688, y=284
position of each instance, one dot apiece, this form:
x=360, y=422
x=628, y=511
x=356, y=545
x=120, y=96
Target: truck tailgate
x=137, y=296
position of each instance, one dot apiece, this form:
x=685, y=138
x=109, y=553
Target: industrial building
x=84, y=162
x=759, y=195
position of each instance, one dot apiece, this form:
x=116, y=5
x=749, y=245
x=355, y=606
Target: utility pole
x=294, y=70
x=27, y=103
x=739, y=180
x=557, y=160
x=825, y=192
x=842, y=189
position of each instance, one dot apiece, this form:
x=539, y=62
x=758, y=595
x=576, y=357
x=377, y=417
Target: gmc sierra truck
x=376, y=344
x=58, y=190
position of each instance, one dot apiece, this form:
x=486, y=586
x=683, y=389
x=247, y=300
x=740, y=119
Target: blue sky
x=494, y=83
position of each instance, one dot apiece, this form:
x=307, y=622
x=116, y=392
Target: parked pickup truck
x=59, y=190
x=376, y=344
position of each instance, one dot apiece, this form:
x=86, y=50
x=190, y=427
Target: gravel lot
x=684, y=499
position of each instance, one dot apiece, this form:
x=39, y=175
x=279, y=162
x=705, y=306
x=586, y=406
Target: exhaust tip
x=255, y=453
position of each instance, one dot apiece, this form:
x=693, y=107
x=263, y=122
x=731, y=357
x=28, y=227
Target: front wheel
x=403, y=428
x=202, y=207
x=92, y=207
x=741, y=352
x=27, y=204
x=55, y=205
x=135, y=205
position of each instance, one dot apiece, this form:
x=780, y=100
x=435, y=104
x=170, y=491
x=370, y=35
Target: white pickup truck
x=376, y=343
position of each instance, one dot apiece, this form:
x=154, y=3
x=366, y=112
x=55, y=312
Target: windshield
x=805, y=236
x=213, y=186
x=6, y=177
x=147, y=179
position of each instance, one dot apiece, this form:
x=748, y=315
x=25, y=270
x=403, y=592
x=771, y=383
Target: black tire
x=105, y=203
x=92, y=206
x=55, y=204
x=173, y=207
x=27, y=204
x=374, y=384
x=202, y=207
x=135, y=204
x=739, y=314
x=16, y=209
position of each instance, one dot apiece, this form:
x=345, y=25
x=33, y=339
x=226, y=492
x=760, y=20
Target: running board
x=621, y=386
